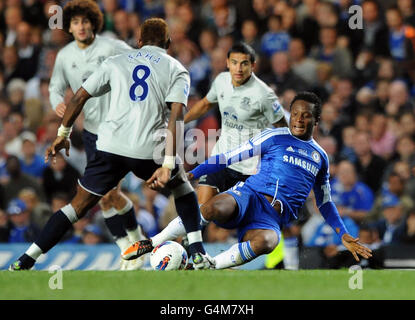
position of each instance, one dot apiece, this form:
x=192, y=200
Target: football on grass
x=169, y=255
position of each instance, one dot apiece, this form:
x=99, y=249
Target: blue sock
x=57, y=225
x=247, y=254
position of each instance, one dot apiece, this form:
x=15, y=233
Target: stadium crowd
x=365, y=77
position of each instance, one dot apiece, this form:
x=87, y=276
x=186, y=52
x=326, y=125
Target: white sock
x=109, y=213
x=123, y=243
x=34, y=251
x=172, y=231
x=236, y=255
x=136, y=234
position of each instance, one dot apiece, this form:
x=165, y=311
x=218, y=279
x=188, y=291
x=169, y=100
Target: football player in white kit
x=74, y=64
x=144, y=84
x=247, y=106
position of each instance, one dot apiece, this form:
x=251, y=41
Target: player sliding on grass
x=144, y=83
x=74, y=64
x=292, y=164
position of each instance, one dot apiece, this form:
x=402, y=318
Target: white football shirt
x=245, y=110
x=142, y=82
x=74, y=65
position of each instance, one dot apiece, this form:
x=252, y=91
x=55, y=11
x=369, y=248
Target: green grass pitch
x=208, y=285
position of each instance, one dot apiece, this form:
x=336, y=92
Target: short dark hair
x=312, y=98
x=154, y=31
x=242, y=47
x=87, y=8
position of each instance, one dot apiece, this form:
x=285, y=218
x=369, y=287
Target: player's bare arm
x=72, y=111
x=198, y=110
x=162, y=175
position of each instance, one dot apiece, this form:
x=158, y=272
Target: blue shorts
x=255, y=212
x=90, y=144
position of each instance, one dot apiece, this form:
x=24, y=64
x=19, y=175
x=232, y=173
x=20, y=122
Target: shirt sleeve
x=58, y=83
x=323, y=199
x=255, y=146
x=120, y=47
x=212, y=95
x=272, y=108
x=98, y=83
x=179, y=89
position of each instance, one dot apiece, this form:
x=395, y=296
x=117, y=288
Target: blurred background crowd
x=365, y=77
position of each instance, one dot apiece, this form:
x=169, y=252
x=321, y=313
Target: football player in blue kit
x=292, y=164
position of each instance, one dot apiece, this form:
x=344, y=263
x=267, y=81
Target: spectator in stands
x=382, y=139
x=249, y=33
x=374, y=30
x=60, y=176
x=122, y=29
x=22, y=229
x=40, y=211
x=13, y=15
x=407, y=229
x=91, y=235
x=347, y=150
x=399, y=99
x=329, y=124
x=276, y=39
x=393, y=216
x=329, y=51
x=394, y=186
x=19, y=180
x=406, y=8
x=31, y=163
x=109, y=7
x=27, y=52
x=282, y=76
x=304, y=67
x=369, y=166
x=352, y=197
x=407, y=124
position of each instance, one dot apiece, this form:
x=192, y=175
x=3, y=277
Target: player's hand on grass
x=60, y=109
x=159, y=178
x=58, y=144
x=353, y=245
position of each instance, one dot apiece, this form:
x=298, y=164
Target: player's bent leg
x=255, y=243
x=205, y=193
x=263, y=241
x=58, y=224
x=221, y=208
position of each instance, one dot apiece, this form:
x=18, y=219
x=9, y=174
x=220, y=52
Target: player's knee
x=264, y=243
x=210, y=210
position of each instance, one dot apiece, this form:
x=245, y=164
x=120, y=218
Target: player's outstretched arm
x=71, y=113
x=198, y=110
x=332, y=217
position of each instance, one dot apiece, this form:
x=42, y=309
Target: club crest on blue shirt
x=316, y=156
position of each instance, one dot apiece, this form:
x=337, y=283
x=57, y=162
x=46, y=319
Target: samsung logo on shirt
x=301, y=163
